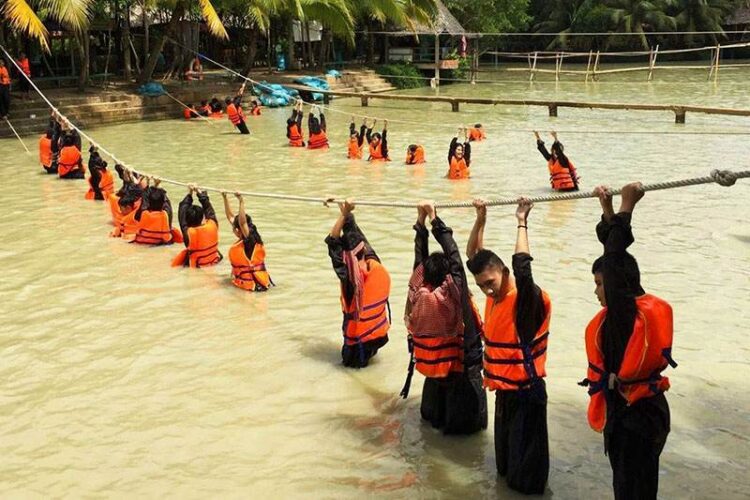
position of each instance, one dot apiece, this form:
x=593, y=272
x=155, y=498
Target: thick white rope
x=17, y=136
x=722, y=177
x=185, y=106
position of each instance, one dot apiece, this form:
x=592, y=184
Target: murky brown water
x=124, y=377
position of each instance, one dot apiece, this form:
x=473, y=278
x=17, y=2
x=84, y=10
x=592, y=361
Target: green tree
x=701, y=15
x=637, y=17
x=491, y=16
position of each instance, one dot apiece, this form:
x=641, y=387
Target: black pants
x=52, y=168
x=4, y=100
x=635, y=442
x=457, y=404
x=242, y=127
x=74, y=174
x=358, y=356
x=521, y=443
x=23, y=84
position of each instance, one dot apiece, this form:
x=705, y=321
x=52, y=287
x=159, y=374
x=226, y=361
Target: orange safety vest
x=4, y=76
x=234, y=113
x=153, y=229
x=25, y=66
x=458, y=169
x=509, y=363
x=69, y=160
x=648, y=353
x=216, y=114
x=126, y=225
x=318, y=141
x=255, y=111
x=114, y=209
x=415, y=158
x=203, y=248
x=45, y=151
x=249, y=273
x=187, y=113
x=295, y=136
x=355, y=150
x=374, y=322
x=476, y=134
x=106, y=186
x=376, y=152
x=560, y=177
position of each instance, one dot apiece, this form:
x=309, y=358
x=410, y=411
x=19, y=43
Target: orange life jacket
x=4, y=76
x=560, y=178
x=126, y=225
x=187, y=113
x=255, y=111
x=25, y=66
x=373, y=323
x=476, y=134
x=376, y=152
x=459, y=169
x=355, y=150
x=295, y=136
x=318, y=141
x=648, y=353
x=249, y=273
x=114, y=209
x=415, y=158
x=45, y=151
x=203, y=247
x=69, y=160
x=153, y=229
x=216, y=114
x=234, y=113
x=509, y=363
x=106, y=186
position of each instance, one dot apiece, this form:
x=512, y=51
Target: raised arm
x=540, y=146
x=467, y=153
x=476, y=238
x=421, y=238
x=323, y=125
x=522, y=215
x=384, y=140
x=444, y=236
x=208, y=209
x=186, y=203
x=452, y=148
x=362, y=132
x=227, y=208
x=530, y=310
x=244, y=228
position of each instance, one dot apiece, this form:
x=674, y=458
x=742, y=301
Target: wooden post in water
x=532, y=71
x=679, y=115
x=454, y=106
x=437, y=59
x=718, y=62
x=588, y=66
x=557, y=66
x=652, y=63
x=596, y=65
x=364, y=101
x=562, y=56
x=552, y=110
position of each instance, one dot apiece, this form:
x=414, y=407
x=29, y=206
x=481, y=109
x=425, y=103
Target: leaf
x=22, y=17
x=73, y=14
x=215, y=26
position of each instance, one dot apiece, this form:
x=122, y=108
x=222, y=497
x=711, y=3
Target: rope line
x=185, y=106
x=550, y=33
x=722, y=177
x=17, y=136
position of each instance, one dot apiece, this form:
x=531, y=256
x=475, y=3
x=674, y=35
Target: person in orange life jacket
x=4, y=90
x=476, y=133
x=56, y=129
x=234, y=111
x=45, y=152
x=101, y=184
x=378, y=143
x=294, y=126
x=365, y=287
x=70, y=163
x=254, y=107
x=459, y=157
x=198, y=220
x=317, y=132
x=23, y=83
x=563, y=175
x=129, y=198
x=216, y=108
x=154, y=201
x=356, y=140
x=247, y=255
x=204, y=109
x=517, y=315
x=628, y=345
x=415, y=154
x=444, y=333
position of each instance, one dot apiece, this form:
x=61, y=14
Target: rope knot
x=725, y=178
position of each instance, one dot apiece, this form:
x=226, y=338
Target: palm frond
x=73, y=14
x=22, y=17
x=215, y=26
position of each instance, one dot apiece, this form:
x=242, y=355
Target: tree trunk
x=252, y=51
x=310, y=52
x=324, y=44
x=125, y=45
x=370, y=46
x=145, y=32
x=291, y=63
x=82, y=40
x=148, y=67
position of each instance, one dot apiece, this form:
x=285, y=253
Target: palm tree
x=639, y=16
x=701, y=15
x=560, y=17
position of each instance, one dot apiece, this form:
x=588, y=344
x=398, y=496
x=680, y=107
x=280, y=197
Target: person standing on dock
x=294, y=126
x=234, y=111
x=459, y=157
x=444, y=332
x=365, y=287
x=4, y=90
x=562, y=172
x=23, y=80
x=628, y=345
x=317, y=131
x=378, y=143
x=517, y=317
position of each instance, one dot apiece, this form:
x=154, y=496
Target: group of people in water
x=628, y=343
x=460, y=352
x=232, y=108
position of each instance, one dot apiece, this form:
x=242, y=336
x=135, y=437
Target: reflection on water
x=123, y=375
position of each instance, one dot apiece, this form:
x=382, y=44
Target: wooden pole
x=532, y=72
x=562, y=57
x=588, y=66
x=596, y=66
x=718, y=62
x=437, y=59
x=652, y=63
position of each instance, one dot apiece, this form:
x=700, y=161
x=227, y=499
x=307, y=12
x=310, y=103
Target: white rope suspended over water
x=721, y=177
